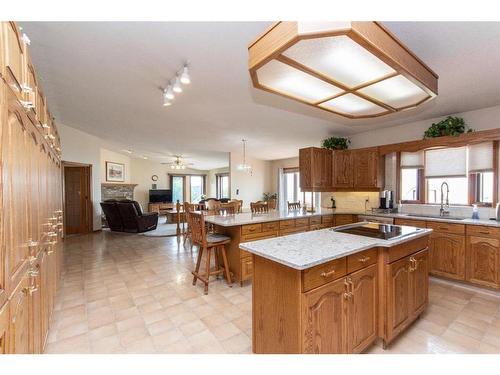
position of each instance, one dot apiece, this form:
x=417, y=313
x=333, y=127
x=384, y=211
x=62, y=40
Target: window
x=292, y=190
x=457, y=186
x=177, y=183
x=196, y=188
x=482, y=188
x=411, y=176
x=222, y=185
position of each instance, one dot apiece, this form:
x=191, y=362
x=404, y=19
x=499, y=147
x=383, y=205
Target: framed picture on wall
x=115, y=172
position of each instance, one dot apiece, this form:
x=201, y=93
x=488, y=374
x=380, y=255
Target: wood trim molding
x=117, y=184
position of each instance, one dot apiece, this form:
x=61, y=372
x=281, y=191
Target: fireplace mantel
x=111, y=184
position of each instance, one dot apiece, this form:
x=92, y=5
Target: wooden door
x=16, y=190
x=419, y=273
x=4, y=328
x=483, y=261
x=398, y=296
x=19, y=319
x=14, y=57
x=448, y=255
x=362, y=309
x=77, y=198
x=342, y=174
x=365, y=169
x=324, y=319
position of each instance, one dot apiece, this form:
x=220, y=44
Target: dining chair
x=293, y=205
x=188, y=207
x=259, y=207
x=208, y=243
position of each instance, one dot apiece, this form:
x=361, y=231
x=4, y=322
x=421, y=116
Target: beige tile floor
x=123, y=293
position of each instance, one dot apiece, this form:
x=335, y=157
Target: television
x=160, y=196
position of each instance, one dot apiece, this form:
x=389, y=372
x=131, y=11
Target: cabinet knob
x=364, y=259
x=327, y=274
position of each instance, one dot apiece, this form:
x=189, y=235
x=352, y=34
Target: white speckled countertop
x=305, y=250
x=273, y=215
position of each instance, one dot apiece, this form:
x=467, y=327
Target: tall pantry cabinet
x=30, y=200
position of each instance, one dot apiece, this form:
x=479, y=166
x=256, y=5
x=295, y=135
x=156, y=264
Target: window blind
x=412, y=159
x=446, y=162
x=481, y=157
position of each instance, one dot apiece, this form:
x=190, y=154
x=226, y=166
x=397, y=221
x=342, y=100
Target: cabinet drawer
x=304, y=222
x=315, y=220
x=411, y=223
x=251, y=228
x=270, y=226
x=327, y=220
x=482, y=230
x=315, y=226
x=246, y=268
x=284, y=232
x=446, y=227
x=284, y=224
x=343, y=219
x=257, y=236
x=406, y=248
x=324, y=273
x=361, y=260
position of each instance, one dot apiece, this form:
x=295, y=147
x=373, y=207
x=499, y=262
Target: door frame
x=90, y=209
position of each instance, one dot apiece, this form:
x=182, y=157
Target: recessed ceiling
x=105, y=78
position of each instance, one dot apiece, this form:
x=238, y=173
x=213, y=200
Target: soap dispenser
x=475, y=212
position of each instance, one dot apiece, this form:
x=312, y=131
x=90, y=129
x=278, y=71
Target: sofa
x=127, y=216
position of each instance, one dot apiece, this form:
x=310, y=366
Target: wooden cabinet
x=315, y=165
x=4, y=328
x=411, y=222
x=367, y=169
x=19, y=319
x=324, y=319
x=342, y=168
x=483, y=261
x=344, y=219
x=447, y=253
x=362, y=309
x=13, y=51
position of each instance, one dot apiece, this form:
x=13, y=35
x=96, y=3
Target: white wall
x=249, y=188
x=108, y=155
x=80, y=147
x=481, y=119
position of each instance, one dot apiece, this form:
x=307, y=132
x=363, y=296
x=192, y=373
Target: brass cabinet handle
x=484, y=232
x=32, y=243
x=364, y=259
x=30, y=290
x=33, y=273
x=327, y=274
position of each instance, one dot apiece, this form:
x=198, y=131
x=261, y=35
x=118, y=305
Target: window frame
x=421, y=185
x=185, y=191
x=218, y=185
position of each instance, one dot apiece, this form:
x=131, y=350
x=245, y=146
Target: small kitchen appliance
x=386, y=199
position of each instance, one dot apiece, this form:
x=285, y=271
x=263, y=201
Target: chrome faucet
x=445, y=211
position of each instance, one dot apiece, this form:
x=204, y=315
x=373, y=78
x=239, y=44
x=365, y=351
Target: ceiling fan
x=178, y=163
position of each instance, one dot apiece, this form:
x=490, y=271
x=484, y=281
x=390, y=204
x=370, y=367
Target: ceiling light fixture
x=177, y=85
x=185, y=79
x=169, y=93
x=166, y=101
x=244, y=167
x=178, y=163
x=353, y=69
x=127, y=151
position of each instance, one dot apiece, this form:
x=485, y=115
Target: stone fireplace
x=117, y=191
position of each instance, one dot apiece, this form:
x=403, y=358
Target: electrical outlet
x=367, y=199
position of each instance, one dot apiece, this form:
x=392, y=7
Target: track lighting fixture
x=177, y=85
x=169, y=93
x=174, y=86
x=185, y=79
x=166, y=100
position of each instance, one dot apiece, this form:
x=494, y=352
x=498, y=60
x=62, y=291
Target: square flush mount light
x=354, y=69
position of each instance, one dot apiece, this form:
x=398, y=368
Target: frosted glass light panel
x=398, y=92
x=339, y=58
x=293, y=82
x=353, y=105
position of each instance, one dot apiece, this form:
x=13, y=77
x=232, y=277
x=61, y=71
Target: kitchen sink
x=436, y=217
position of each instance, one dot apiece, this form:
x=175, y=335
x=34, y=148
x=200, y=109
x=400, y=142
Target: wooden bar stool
x=259, y=207
x=208, y=244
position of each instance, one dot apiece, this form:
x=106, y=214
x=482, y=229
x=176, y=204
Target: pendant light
x=185, y=79
x=244, y=167
x=353, y=69
x=177, y=85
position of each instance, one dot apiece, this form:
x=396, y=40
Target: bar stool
x=188, y=207
x=208, y=243
x=259, y=207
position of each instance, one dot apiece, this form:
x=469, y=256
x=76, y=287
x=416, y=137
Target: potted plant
x=336, y=143
x=449, y=126
x=271, y=199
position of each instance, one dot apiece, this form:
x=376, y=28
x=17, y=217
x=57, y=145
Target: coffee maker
x=386, y=199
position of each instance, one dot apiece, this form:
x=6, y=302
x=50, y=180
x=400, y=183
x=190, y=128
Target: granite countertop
x=305, y=250
x=250, y=218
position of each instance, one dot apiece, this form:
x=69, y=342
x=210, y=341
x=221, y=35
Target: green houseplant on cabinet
x=336, y=143
x=449, y=126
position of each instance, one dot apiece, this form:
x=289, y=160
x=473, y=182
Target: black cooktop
x=382, y=231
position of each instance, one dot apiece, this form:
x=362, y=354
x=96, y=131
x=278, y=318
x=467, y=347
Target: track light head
x=177, y=85
x=185, y=78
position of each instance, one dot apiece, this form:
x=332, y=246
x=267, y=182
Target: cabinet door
x=448, y=255
x=324, y=169
x=419, y=272
x=483, y=261
x=342, y=169
x=35, y=312
x=16, y=187
x=4, y=325
x=14, y=57
x=362, y=309
x=324, y=319
x=19, y=320
x=365, y=169
x=398, y=296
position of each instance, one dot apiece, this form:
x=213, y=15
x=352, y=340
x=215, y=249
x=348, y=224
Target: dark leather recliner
x=127, y=216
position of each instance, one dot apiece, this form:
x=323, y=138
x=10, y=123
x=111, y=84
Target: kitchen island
x=330, y=292
x=247, y=226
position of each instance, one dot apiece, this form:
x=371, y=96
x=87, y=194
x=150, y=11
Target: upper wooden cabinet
x=13, y=57
x=315, y=165
x=342, y=170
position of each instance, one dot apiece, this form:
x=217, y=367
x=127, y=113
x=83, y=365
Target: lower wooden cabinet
x=447, y=252
x=4, y=325
x=407, y=285
x=19, y=319
x=341, y=316
x=483, y=261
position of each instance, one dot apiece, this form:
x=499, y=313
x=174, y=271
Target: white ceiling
x=105, y=79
